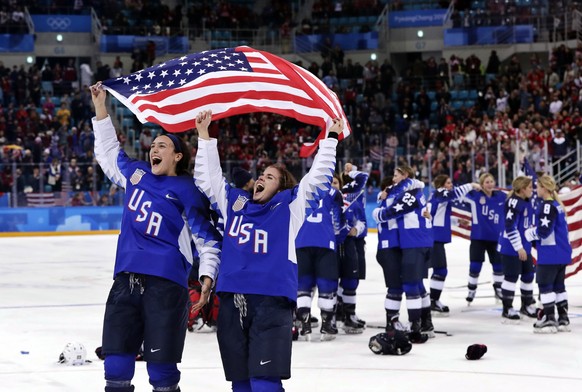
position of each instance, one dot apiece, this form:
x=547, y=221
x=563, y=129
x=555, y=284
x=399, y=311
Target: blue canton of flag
x=228, y=82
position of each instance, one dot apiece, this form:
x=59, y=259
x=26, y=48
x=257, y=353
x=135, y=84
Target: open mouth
x=156, y=161
x=260, y=187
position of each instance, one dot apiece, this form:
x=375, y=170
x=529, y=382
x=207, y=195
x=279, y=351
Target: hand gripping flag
x=229, y=82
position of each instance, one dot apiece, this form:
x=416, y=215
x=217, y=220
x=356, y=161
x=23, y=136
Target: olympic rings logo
x=58, y=23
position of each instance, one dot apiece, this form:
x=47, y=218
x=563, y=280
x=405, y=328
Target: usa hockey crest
x=136, y=176
x=239, y=203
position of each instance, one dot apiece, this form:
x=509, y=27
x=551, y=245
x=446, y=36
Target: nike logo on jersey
x=168, y=196
x=275, y=206
x=265, y=362
x=155, y=350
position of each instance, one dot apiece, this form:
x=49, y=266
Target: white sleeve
x=208, y=175
x=107, y=150
x=360, y=227
x=315, y=184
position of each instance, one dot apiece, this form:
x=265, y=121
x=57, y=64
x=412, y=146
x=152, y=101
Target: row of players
x=411, y=237
x=257, y=283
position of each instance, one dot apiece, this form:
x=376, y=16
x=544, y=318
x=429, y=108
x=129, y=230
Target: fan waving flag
x=229, y=82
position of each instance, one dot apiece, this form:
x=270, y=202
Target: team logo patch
x=136, y=176
x=239, y=203
x=482, y=200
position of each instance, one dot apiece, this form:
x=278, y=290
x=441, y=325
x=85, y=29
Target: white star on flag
x=245, y=81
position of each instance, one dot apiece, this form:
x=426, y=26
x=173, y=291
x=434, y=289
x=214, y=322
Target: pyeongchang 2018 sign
x=419, y=18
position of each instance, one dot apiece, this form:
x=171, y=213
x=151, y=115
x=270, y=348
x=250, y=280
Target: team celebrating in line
x=280, y=241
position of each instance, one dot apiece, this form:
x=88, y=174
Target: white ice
x=53, y=290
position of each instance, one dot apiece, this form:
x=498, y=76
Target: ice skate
x=415, y=335
x=547, y=324
x=305, y=327
x=563, y=323
x=328, y=328
x=563, y=319
x=439, y=309
x=351, y=325
x=529, y=311
x=510, y=316
x=426, y=326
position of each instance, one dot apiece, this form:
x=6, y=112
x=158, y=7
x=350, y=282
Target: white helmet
x=73, y=354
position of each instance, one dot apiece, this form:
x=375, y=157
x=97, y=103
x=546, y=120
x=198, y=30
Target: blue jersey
x=258, y=251
x=518, y=215
x=440, y=209
x=414, y=230
x=355, y=217
x=388, y=230
x=162, y=215
x=355, y=193
x=486, y=214
x=321, y=227
x=553, y=245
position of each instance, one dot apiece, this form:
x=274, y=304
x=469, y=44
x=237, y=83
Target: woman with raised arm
x=258, y=276
x=486, y=224
x=163, y=214
x=440, y=209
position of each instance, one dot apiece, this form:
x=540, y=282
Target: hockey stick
x=378, y=326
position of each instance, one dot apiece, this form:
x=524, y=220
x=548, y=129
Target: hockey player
x=440, y=209
x=389, y=254
x=415, y=237
x=515, y=251
x=486, y=224
x=554, y=254
x=317, y=263
x=163, y=213
x=353, y=253
x=258, y=276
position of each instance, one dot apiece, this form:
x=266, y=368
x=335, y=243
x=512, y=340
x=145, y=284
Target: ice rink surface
x=53, y=290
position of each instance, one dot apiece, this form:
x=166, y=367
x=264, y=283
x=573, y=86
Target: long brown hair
x=440, y=180
x=287, y=180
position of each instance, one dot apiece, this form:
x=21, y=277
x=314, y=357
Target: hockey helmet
x=395, y=343
x=73, y=354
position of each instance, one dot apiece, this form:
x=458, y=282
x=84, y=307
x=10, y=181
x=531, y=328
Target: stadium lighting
x=59, y=38
x=29, y=60
x=373, y=56
x=420, y=33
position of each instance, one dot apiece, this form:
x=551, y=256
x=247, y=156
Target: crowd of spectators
x=409, y=115
x=524, y=110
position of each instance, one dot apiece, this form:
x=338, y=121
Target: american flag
x=227, y=81
x=461, y=225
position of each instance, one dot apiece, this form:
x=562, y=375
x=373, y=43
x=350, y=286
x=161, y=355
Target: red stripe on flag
x=228, y=82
